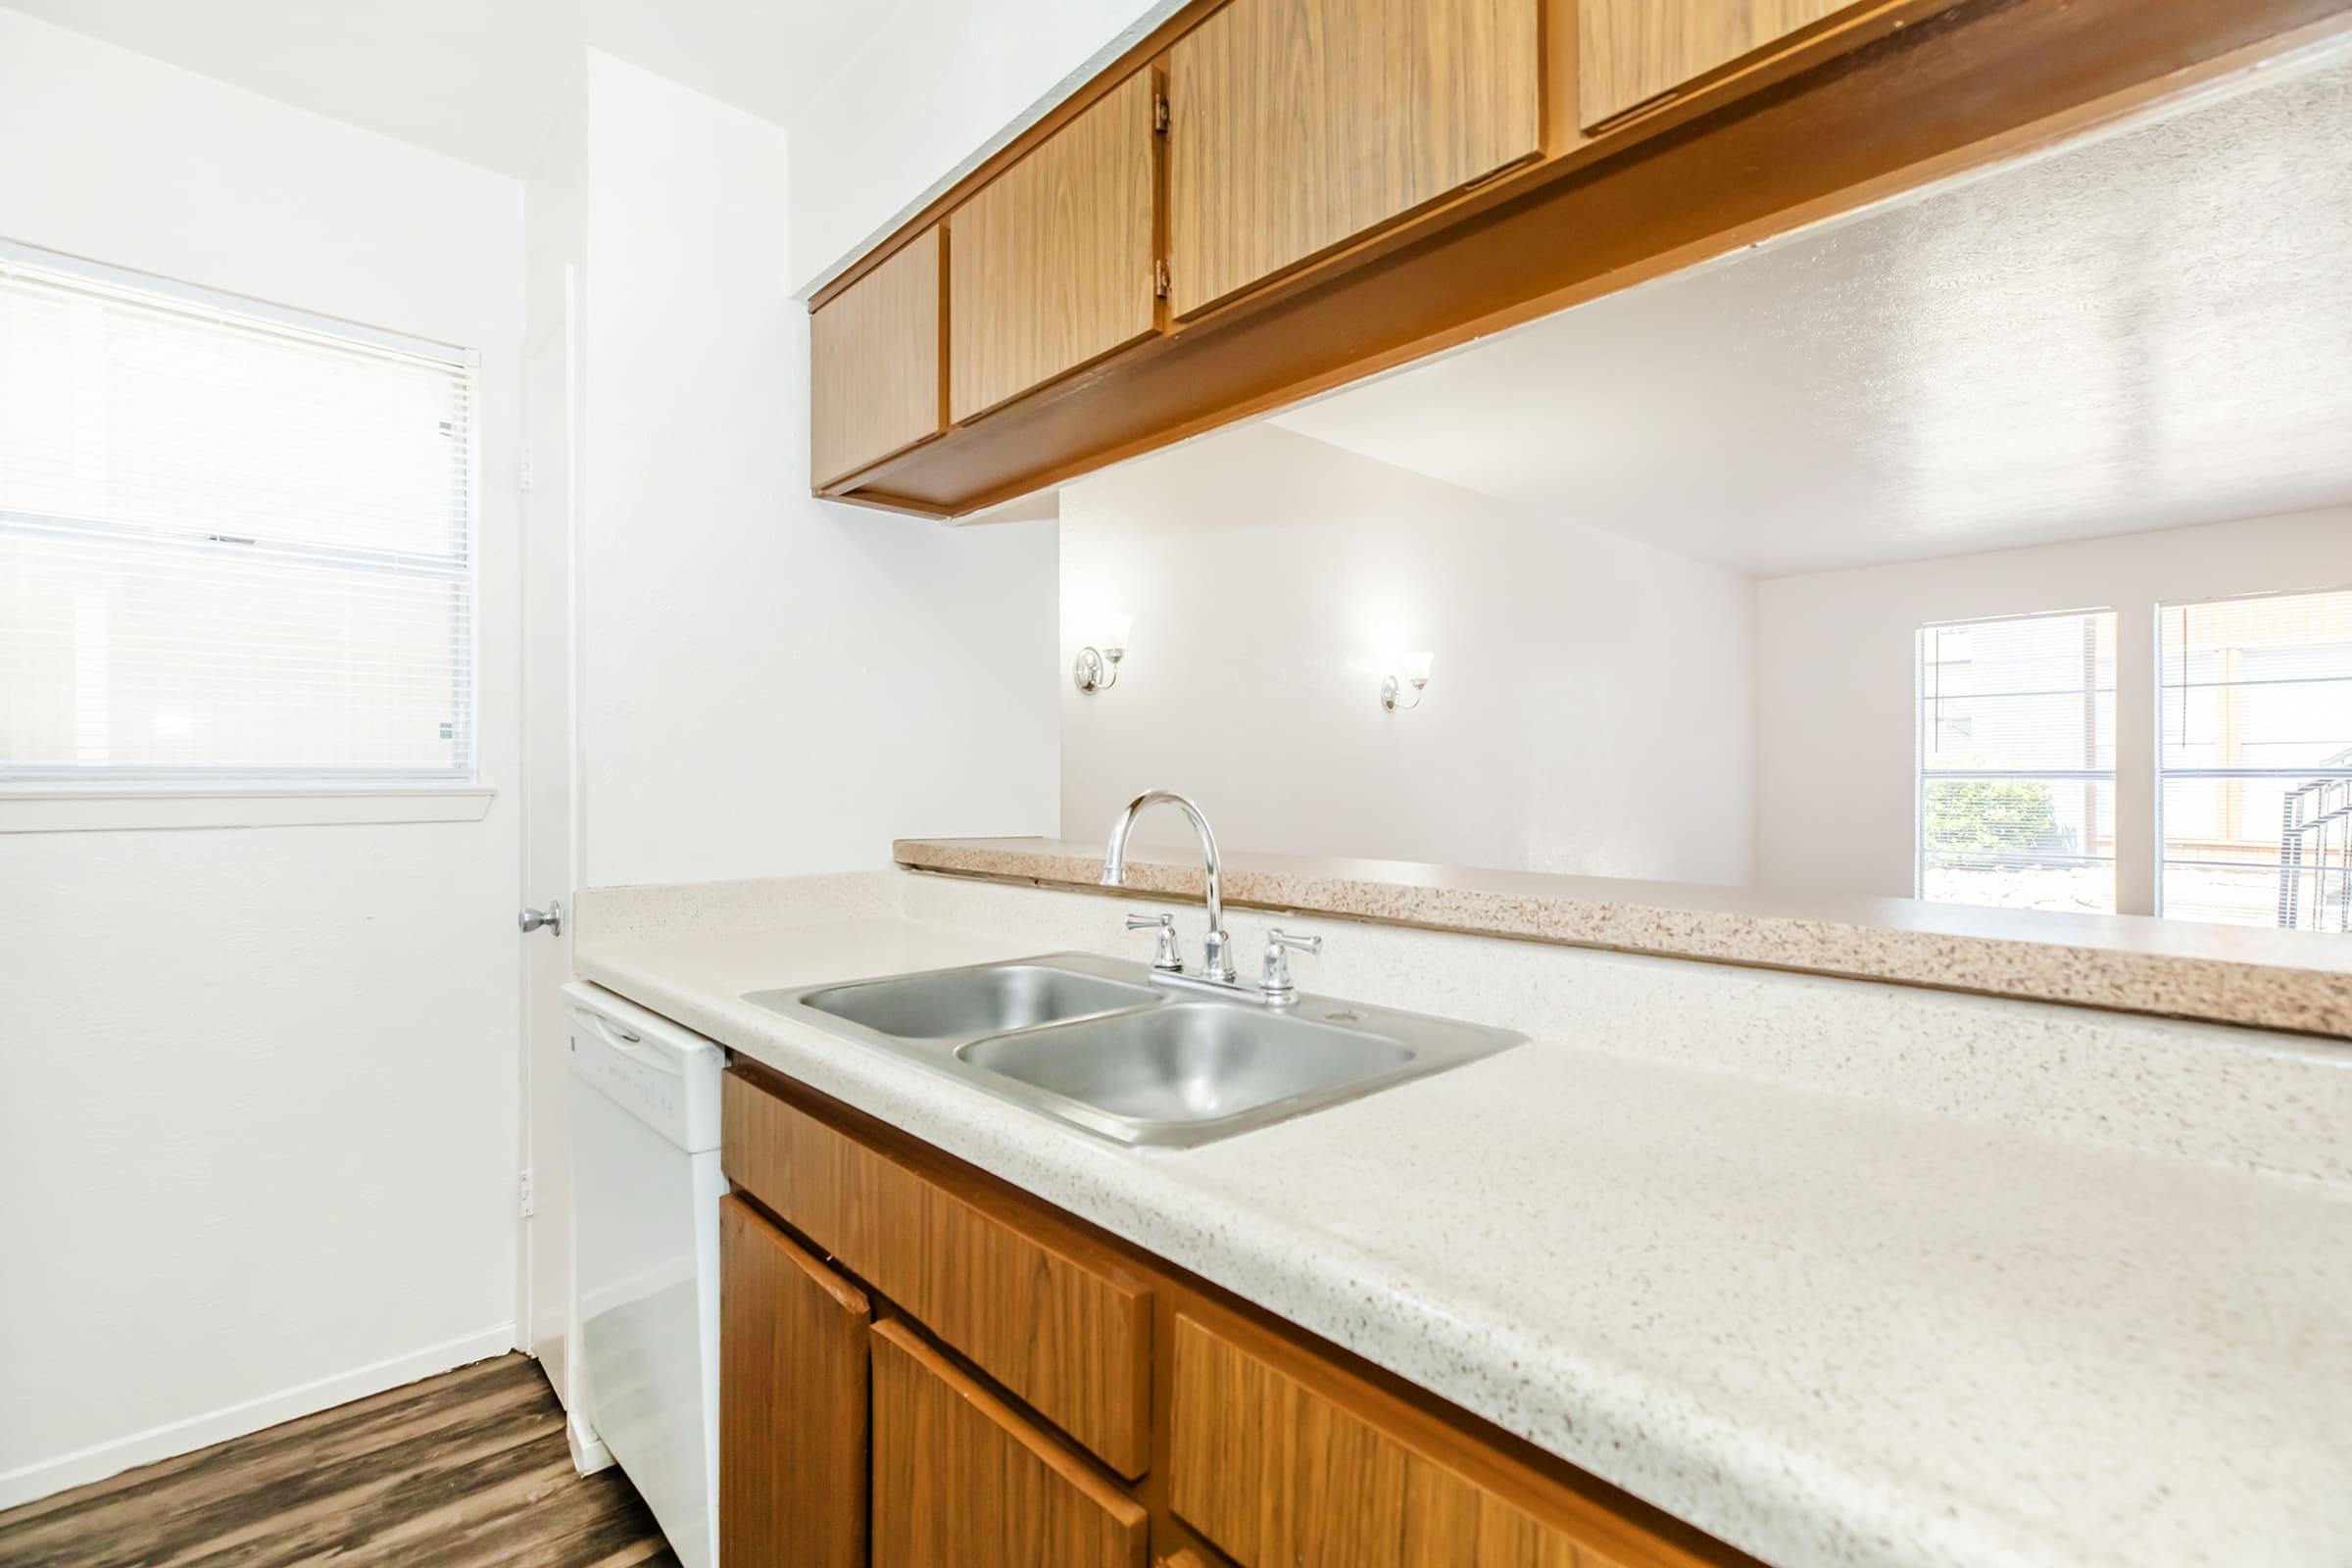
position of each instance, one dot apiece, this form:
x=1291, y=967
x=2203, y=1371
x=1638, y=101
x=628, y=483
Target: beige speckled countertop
x=2297, y=980
x=1835, y=1331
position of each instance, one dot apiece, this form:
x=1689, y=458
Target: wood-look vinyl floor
x=465, y=1470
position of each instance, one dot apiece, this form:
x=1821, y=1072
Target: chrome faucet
x=1274, y=985
x=1216, y=953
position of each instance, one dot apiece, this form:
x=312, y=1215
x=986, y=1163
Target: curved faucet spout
x=1114, y=869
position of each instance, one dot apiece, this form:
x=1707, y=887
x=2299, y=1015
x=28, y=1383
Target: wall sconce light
x=1098, y=667
x=1412, y=669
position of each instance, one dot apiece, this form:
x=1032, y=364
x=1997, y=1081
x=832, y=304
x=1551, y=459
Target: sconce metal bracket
x=1096, y=671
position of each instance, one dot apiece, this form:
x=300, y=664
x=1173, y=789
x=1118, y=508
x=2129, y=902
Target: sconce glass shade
x=1414, y=668
x=1111, y=637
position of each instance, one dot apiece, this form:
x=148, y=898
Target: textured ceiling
x=2147, y=329
x=480, y=80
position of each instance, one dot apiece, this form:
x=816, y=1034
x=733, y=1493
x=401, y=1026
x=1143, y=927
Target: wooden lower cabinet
x=960, y=1478
x=854, y=1420
x=1281, y=1474
x=1065, y=1327
x=791, y=1409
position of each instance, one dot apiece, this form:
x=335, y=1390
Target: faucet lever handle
x=1165, y=957
x=1274, y=972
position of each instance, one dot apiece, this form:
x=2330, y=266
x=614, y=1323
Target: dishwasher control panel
x=666, y=1078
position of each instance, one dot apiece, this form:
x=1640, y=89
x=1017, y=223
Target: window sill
x=42, y=808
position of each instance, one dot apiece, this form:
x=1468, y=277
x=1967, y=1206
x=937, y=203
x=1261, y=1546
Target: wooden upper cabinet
x=792, y=1415
x=1298, y=125
x=1050, y=266
x=874, y=363
x=1631, y=51
x=1372, y=182
x=960, y=1479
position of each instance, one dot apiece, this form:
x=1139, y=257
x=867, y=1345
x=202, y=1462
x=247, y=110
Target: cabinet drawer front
x=960, y=1478
x=1282, y=1475
x=1631, y=51
x=792, y=1434
x=1299, y=125
x=1050, y=266
x=1071, y=1336
x=874, y=384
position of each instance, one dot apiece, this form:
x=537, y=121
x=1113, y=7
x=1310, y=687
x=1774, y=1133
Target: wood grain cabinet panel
x=793, y=1418
x=1066, y=1329
x=1298, y=125
x=1050, y=266
x=874, y=386
x=1280, y=1474
x=1631, y=51
x=960, y=1479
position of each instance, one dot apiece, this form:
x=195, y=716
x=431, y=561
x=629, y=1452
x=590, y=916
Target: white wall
x=941, y=83
x=258, y=1129
x=1837, y=735
x=1589, y=711
x=772, y=685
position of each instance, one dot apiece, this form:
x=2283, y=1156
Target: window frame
x=56, y=800
x=1922, y=776
x=2160, y=774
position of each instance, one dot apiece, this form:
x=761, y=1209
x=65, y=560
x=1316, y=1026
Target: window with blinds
x=236, y=545
x=2255, y=759
x=2017, y=762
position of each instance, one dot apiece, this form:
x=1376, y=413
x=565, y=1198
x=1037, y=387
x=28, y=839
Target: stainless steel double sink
x=1100, y=1044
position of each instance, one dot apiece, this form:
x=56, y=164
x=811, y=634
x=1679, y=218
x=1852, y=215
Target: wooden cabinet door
x=1631, y=51
x=1064, y=1326
x=960, y=1479
x=875, y=379
x=1050, y=266
x=792, y=1407
x=1283, y=1473
x=1297, y=126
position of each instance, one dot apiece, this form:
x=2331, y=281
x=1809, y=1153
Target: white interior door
x=549, y=849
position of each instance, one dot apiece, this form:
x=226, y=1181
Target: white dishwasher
x=646, y=1188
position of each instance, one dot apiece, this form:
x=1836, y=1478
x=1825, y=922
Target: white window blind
x=2255, y=759
x=236, y=545
x=2017, y=762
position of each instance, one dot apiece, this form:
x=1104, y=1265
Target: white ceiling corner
x=479, y=80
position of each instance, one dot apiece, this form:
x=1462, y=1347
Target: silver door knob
x=552, y=917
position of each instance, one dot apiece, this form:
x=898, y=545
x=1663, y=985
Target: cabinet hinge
x=1159, y=113
x=527, y=1200
x=528, y=477
x=1159, y=280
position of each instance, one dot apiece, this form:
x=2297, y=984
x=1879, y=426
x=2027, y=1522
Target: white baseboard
x=588, y=1451
x=29, y=1483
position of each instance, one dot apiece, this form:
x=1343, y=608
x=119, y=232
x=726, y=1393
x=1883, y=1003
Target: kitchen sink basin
x=958, y=1004
x=1136, y=1057
x=1189, y=1061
